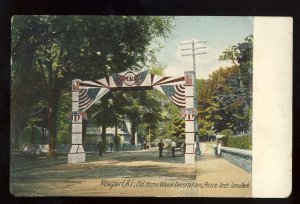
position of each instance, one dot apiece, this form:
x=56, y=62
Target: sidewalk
x=221, y=178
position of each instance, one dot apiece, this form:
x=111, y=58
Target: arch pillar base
x=76, y=157
x=189, y=158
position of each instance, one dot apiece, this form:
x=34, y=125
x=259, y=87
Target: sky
x=219, y=32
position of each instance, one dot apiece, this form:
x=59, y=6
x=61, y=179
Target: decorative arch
x=85, y=93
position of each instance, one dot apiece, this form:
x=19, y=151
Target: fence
x=65, y=148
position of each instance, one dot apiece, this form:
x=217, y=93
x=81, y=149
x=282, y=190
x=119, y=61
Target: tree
x=61, y=48
x=225, y=98
x=141, y=107
x=241, y=55
x=23, y=94
x=64, y=123
x=221, y=103
x=108, y=112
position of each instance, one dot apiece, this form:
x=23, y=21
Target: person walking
x=219, y=148
x=173, y=146
x=160, y=148
x=182, y=149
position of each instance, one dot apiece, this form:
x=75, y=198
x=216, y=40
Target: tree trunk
x=149, y=136
x=18, y=125
x=116, y=137
x=52, y=131
x=103, y=137
x=84, y=127
x=43, y=135
x=53, y=115
x=133, y=131
x=32, y=134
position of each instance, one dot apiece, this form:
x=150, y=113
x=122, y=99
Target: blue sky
x=219, y=32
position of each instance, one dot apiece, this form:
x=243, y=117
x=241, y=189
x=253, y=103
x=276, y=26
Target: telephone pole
x=193, y=54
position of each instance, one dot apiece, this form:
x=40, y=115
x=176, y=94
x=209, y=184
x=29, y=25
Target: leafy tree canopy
x=49, y=51
x=225, y=98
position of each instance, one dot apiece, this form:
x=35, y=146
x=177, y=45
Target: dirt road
x=139, y=173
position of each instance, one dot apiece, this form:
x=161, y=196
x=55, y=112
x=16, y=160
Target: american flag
x=176, y=93
x=87, y=96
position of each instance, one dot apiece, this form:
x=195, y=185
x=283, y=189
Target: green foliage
x=241, y=55
x=169, y=123
x=64, y=132
x=177, y=128
x=225, y=98
x=241, y=142
x=49, y=51
x=27, y=136
x=172, y=125
x=230, y=54
x=226, y=132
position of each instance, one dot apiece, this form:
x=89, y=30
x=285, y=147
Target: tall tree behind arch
x=85, y=47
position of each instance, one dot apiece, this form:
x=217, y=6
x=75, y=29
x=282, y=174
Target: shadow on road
x=143, y=164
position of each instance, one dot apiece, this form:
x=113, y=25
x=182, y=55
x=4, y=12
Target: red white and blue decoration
x=92, y=91
x=180, y=90
x=76, y=115
x=189, y=113
x=176, y=93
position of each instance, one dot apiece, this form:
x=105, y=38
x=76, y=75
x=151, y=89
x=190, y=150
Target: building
x=93, y=136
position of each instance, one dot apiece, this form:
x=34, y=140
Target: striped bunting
x=168, y=80
x=87, y=96
x=176, y=93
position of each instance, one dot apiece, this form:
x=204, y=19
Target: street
x=136, y=173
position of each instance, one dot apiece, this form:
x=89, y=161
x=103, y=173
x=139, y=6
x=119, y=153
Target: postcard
x=151, y=106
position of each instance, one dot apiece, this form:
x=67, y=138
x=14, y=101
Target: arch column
x=189, y=116
x=76, y=154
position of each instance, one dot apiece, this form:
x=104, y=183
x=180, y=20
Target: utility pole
x=197, y=150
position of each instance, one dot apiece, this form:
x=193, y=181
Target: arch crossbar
x=85, y=93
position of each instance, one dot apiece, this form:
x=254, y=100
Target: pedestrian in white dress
x=219, y=147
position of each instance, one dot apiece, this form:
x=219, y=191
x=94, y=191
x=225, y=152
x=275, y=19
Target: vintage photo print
x=151, y=106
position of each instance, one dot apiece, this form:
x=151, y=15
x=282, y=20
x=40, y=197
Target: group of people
x=173, y=148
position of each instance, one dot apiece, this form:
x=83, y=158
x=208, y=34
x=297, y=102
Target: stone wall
x=240, y=157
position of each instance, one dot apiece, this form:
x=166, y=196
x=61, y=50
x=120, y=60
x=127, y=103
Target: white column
x=189, y=118
x=76, y=154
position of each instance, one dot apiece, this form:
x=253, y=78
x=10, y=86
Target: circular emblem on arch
x=129, y=78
